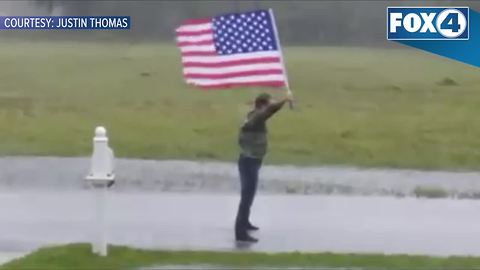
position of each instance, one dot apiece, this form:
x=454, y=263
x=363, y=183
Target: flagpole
x=279, y=47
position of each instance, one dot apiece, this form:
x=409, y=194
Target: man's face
x=265, y=104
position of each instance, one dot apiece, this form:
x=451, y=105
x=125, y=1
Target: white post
x=101, y=177
x=100, y=243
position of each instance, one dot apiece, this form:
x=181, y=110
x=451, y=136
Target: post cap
x=100, y=132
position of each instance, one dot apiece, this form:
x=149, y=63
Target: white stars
x=243, y=33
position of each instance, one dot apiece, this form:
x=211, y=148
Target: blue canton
x=247, y=32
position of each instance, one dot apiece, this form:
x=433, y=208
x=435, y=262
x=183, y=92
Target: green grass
x=79, y=256
x=367, y=107
x=430, y=192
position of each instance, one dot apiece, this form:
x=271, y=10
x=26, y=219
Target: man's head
x=262, y=100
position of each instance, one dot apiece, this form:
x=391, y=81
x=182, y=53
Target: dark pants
x=248, y=169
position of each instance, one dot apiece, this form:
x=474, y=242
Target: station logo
x=427, y=23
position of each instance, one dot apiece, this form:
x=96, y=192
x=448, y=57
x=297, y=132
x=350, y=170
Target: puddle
x=51, y=173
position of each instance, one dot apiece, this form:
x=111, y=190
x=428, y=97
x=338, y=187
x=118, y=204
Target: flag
x=232, y=50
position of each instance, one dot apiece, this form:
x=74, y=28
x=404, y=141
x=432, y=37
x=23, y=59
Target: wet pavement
x=191, y=205
x=51, y=173
x=31, y=219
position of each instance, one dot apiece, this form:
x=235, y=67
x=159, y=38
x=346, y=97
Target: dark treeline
x=299, y=22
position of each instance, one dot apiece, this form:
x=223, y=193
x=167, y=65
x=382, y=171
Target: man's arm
x=266, y=113
x=270, y=110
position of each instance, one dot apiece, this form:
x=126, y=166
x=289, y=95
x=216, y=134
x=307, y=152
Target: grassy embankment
x=367, y=107
x=78, y=256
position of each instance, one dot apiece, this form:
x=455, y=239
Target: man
x=253, y=145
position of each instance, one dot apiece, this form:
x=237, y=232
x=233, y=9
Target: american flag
x=232, y=50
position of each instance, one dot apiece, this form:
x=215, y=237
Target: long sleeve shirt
x=253, y=133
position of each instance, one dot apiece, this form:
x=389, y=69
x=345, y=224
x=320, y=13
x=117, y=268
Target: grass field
x=367, y=107
x=78, y=256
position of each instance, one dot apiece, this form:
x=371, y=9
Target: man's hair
x=262, y=99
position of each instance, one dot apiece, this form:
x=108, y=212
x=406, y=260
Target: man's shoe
x=246, y=238
x=251, y=227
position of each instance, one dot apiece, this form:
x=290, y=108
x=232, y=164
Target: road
x=53, y=173
x=30, y=219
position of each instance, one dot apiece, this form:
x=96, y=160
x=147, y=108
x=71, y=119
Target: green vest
x=253, y=136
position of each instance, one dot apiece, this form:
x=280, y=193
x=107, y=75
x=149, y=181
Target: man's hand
x=289, y=99
x=289, y=96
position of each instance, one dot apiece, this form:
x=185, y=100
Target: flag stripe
x=232, y=57
x=195, y=33
x=230, y=69
x=197, y=21
x=200, y=42
x=196, y=38
x=273, y=84
x=257, y=78
x=233, y=74
x=234, y=62
x=189, y=28
x=198, y=48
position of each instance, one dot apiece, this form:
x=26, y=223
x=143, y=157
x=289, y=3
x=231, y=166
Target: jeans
x=248, y=168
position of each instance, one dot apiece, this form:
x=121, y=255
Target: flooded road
x=51, y=173
x=192, y=205
x=30, y=219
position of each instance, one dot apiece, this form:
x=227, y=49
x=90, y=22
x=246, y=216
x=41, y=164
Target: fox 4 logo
x=427, y=23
